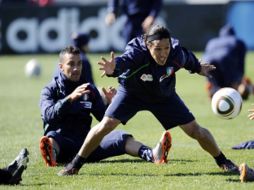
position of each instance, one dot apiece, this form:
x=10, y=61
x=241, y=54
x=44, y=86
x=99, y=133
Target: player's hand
x=79, y=91
x=110, y=19
x=109, y=93
x=251, y=115
x=147, y=23
x=206, y=68
x=107, y=66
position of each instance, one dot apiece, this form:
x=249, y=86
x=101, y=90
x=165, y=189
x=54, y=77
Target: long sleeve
x=51, y=111
x=131, y=60
x=185, y=58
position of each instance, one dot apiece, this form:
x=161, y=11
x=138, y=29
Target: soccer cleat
x=69, y=169
x=160, y=152
x=47, y=152
x=17, y=166
x=229, y=166
x=246, y=173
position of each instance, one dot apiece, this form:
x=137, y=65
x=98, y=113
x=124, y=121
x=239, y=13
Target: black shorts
x=170, y=112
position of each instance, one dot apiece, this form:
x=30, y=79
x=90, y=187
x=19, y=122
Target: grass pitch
x=189, y=166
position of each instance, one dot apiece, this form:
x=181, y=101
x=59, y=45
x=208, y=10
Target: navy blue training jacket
x=138, y=73
x=70, y=118
x=227, y=53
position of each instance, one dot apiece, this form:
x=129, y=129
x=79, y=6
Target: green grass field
x=189, y=167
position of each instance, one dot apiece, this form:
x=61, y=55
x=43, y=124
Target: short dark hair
x=68, y=50
x=157, y=32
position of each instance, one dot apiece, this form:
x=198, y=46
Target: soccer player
x=140, y=15
x=67, y=105
x=12, y=174
x=81, y=40
x=146, y=72
x=227, y=53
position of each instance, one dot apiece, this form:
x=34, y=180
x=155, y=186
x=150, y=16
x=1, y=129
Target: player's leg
x=119, y=142
x=91, y=142
x=211, y=88
x=157, y=155
x=119, y=111
x=245, y=88
x=208, y=143
x=203, y=136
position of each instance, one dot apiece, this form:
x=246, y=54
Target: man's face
x=159, y=50
x=71, y=66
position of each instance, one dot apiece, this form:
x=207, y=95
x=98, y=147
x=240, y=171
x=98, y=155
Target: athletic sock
x=221, y=159
x=146, y=153
x=78, y=161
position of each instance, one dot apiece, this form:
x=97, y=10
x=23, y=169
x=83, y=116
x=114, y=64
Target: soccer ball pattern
x=226, y=103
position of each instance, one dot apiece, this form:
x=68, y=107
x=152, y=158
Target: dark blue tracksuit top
x=136, y=66
x=227, y=53
x=72, y=119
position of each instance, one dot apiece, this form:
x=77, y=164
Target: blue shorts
x=113, y=144
x=170, y=112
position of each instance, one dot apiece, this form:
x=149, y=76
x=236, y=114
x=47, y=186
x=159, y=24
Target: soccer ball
x=33, y=68
x=226, y=103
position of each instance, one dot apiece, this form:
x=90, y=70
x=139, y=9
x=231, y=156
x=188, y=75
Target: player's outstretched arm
x=206, y=68
x=107, y=66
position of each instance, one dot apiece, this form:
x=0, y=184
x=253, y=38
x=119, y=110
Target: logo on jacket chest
x=169, y=72
x=85, y=102
x=146, y=77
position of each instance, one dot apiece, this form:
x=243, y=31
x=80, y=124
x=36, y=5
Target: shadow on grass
x=182, y=161
x=207, y=173
x=139, y=160
x=200, y=174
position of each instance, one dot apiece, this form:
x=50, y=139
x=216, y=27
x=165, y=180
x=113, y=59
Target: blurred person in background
x=12, y=174
x=81, y=40
x=67, y=104
x=140, y=14
x=227, y=53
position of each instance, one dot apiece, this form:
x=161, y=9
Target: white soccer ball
x=33, y=68
x=226, y=103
